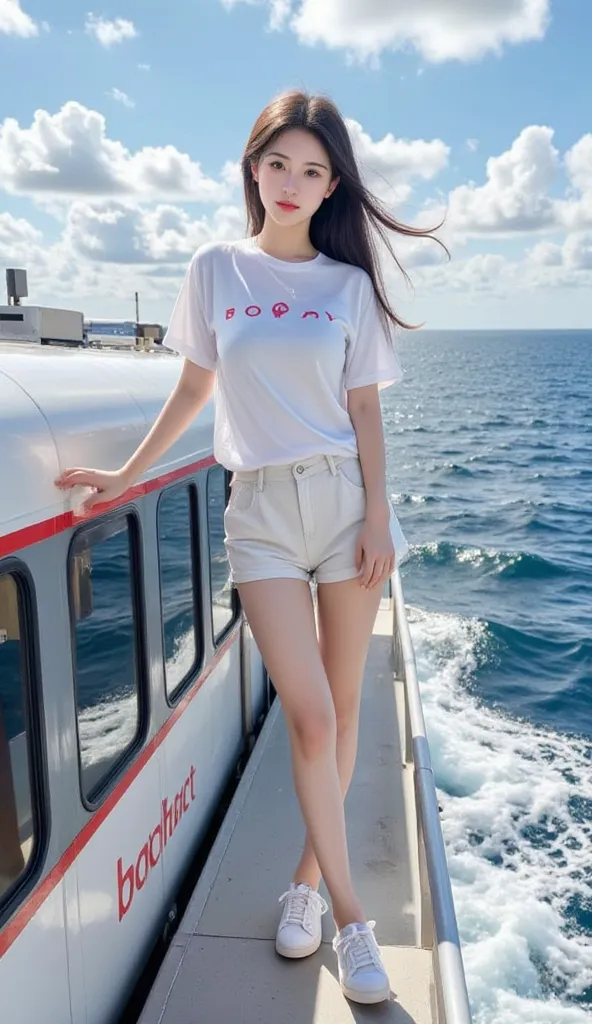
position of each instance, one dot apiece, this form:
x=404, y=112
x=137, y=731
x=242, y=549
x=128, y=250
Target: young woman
x=293, y=326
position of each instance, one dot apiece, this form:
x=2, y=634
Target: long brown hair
x=347, y=225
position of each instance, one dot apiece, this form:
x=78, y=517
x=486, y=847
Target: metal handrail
x=455, y=996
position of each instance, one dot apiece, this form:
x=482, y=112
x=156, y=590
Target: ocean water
x=489, y=454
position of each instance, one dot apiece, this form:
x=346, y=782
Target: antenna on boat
x=138, y=332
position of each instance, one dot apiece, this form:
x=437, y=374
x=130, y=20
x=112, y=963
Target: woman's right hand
x=107, y=485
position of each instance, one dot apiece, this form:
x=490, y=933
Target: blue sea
x=489, y=454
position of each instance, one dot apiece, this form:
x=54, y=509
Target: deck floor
x=222, y=966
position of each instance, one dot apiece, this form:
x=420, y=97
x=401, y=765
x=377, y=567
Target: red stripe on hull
x=19, y=539
x=15, y=926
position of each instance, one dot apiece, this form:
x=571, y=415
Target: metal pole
x=452, y=975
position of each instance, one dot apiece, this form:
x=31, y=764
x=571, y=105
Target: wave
x=108, y=726
x=501, y=420
x=413, y=499
x=531, y=642
x=507, y=564
x=517, y=819
x=453, y=468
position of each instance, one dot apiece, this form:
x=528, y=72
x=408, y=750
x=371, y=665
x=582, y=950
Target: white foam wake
x=515, y=801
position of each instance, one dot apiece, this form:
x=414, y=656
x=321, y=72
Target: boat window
x=224, y=598
x=18, y=826
x=104, y=586
x=179, y=587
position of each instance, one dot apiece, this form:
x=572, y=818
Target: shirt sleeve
x=371, y=356
x=188, y=332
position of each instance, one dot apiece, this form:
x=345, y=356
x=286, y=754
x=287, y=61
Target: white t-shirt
x=287, y=341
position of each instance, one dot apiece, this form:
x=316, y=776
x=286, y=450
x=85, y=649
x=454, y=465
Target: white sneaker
x=361, y=971
x=299, y=931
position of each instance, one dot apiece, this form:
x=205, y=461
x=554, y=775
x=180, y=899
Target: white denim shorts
x=298, y=521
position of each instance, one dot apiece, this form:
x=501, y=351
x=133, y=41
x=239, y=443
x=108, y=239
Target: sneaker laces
x=360, y=948
x=297, y=902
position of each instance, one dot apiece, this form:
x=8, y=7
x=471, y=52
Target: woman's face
x=294, y=176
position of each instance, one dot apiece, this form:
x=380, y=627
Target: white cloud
x=231, y=173
x=413, y=253
x=17, y=238
x=108, y=251
x=390, y=165
x=575, y=212
x=58, y=276
x=69, y=154
x=473, y=145
x=109, y=33
x=22, y=245
x=123, y=230
x=546, y=254
x=484, y=272
x=578, y=161
x=577, y=251
x=122, y=97
x=144, y=67
x=438, y=29
x=574, y=254
x=279, y=13
x=123, y=233
x=493, y=275
x=14, y=21
x=516, y=196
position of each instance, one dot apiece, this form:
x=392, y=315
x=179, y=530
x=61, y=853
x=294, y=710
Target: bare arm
x=375, y=554
x=366, y=416
x=186, y=400
x=189, y=396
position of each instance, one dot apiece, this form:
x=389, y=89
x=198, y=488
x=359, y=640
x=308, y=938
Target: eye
x=276, y=164
x=313, y=173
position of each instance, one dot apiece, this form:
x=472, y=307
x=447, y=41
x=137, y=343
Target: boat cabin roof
x=64, y=407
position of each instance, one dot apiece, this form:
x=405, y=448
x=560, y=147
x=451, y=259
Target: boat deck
x=222, y=965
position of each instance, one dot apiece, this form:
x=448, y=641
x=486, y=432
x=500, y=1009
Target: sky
x=122, y=129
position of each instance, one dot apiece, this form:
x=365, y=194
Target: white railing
x=453, y=995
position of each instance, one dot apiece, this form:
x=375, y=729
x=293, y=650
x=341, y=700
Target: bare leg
x=346, y=619
x=281, y=616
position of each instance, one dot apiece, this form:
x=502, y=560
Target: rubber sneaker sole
x=367, y=997
x=297, y=954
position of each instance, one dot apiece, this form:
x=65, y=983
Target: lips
x=288, y=206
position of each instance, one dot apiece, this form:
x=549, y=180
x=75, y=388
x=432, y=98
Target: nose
x=289, y=188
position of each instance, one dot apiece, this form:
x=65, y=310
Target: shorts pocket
x=351, y=470
x=242, y=495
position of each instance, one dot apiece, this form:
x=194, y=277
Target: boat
x=100, y=333
x=136, y=716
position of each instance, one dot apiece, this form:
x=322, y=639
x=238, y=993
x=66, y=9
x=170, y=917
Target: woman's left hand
x=375, y=554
